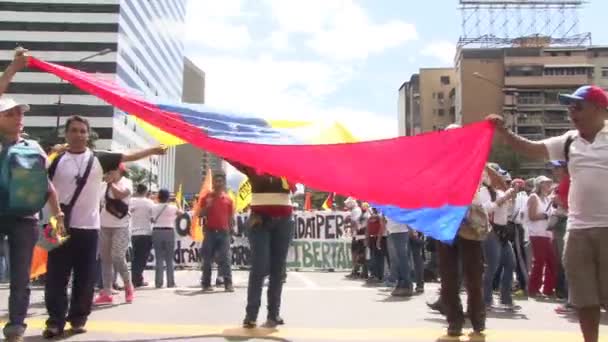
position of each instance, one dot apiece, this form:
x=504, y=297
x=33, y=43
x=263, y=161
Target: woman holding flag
x=270, y=226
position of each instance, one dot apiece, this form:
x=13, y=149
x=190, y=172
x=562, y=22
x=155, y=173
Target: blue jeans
x=498, y=253
x=398, y=244
x=22, y=236
x=269, y=242
x=4, y=260
x=417, y=249
x=216, y=243
x=163, y=242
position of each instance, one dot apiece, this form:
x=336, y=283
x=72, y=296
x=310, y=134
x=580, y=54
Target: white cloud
x=212, y=24
x=444, y=51
x=279, y=40
x=286, y=90
x=339, y=29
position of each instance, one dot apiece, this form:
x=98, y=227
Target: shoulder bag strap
x=83, y=181
x=160, y=213
x=54, y=164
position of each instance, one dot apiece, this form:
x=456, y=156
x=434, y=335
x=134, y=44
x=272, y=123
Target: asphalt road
x=316, y=307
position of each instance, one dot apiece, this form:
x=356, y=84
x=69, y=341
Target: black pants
x=471, y=254
x=77, y=255
x=142, y=244
x=22, y=236
x=521, y=266
x=378, y=256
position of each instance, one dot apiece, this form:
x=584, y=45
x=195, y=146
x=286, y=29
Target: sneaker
x=565, y=309
x=129, y=294
x=273, y=322
x=103, y=299
x=51, y=332
x=511, y=307
x=402, y=292
x=436, y=306
x=479, y=327
x=219, y=282
x=229, y=288
x=249, y=323
x=14, y=338
x=352, y=276
x=77, y=329
x=454, y=330
x=373, y=281
x=419, y=289
x=207, y=289
x=142, y=284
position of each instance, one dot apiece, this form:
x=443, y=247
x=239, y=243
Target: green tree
x=139, y=175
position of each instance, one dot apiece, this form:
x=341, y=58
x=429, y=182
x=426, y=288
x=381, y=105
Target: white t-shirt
x=108, y=220
x=85, y=214
x=538, y=228
x=395, y=227
x=166, y=217
x=141, y=215
x=588, y=168
x=519, y=207
x=498, y=214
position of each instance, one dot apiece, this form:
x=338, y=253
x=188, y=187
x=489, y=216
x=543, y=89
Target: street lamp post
x=59, y=103
x=514, y=98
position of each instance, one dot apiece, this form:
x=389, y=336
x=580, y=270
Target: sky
x=332, y=60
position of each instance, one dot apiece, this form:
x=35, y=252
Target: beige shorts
x=586, y=264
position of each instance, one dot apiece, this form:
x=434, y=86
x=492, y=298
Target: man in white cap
x=586, y=151
x=21, y=228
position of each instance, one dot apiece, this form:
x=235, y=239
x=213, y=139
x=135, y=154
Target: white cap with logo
x=7, y=103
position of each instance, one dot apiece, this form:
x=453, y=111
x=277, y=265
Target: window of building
x=553, y=54
x=604, y=72
x=529, y=98
x=445, y=79
x=568, y=53
x=441, y=112
x=440, y=95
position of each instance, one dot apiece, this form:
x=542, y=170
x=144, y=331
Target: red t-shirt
x=373, y=225
x=220, y=211
x=562, y=191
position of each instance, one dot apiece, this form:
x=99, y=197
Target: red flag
x=329, y=202
x=39, y=259
x=308, y=201
x=196, y=228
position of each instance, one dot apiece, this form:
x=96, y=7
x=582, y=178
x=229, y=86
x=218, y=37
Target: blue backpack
x=23, y=179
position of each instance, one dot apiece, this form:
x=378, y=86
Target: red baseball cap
x=589, y=93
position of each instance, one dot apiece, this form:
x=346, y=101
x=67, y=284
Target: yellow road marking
x=326, y=334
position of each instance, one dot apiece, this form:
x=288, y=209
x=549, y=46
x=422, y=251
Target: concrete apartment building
x=523, y=83
x=426, y=101
x=193, y=162
x=131, y=42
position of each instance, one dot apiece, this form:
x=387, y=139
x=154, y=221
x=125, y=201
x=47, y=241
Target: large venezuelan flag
x=429, y=180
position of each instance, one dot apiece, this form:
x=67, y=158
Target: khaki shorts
x=586, y=263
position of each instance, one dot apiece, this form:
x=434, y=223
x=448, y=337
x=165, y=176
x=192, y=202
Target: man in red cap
x=586, y=151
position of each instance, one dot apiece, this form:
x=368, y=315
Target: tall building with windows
x=135, y=43
x=426, y=101
x=523, y=83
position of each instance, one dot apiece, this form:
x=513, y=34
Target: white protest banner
x=319, y=243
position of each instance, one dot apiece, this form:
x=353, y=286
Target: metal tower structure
x=503, y=23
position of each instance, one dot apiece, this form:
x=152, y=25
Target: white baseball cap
x=7, y=103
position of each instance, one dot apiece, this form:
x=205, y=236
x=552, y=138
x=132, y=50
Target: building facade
x=426, y=101
x=132, y=42
x=194, y=162
x=523, y=83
